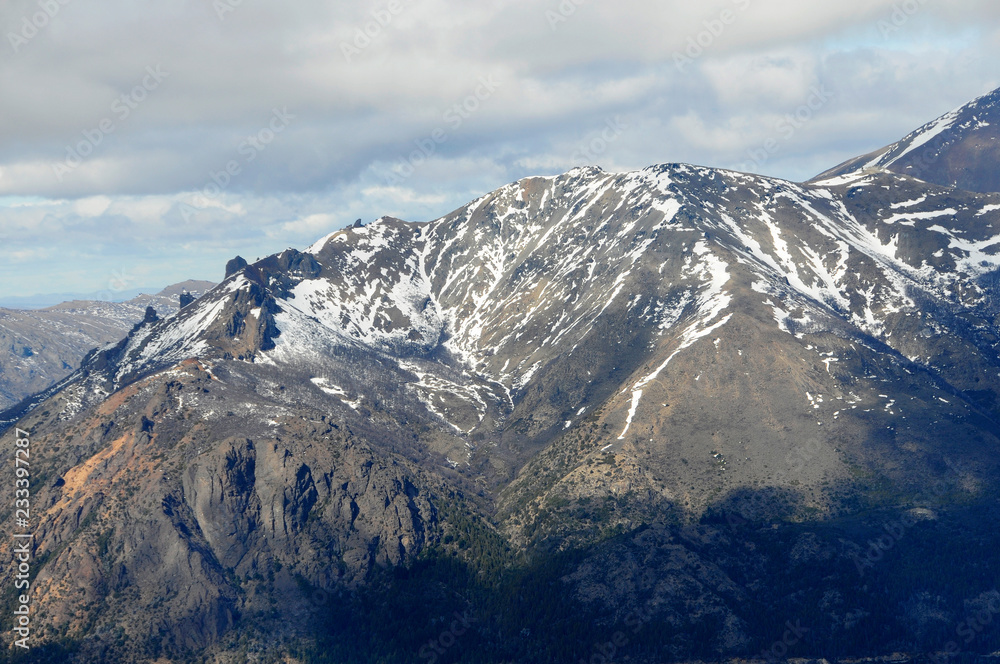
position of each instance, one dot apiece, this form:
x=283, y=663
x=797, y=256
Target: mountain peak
x=602, y=364
x=959, y=149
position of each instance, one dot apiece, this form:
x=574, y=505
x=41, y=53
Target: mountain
x=42, y=301
x=41, y=347
x=671, y=414
x=959, y=149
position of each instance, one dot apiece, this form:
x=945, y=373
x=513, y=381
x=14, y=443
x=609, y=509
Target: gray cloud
x=389, y=122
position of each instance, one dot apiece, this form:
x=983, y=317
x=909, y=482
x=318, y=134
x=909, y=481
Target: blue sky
x=143, y=143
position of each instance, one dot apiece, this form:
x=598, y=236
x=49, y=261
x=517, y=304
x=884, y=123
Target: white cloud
x=356, y=121
x=774, y=79
x=94, y=206
x=313, y=224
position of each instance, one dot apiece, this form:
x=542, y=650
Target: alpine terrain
x=40, y=347
x=675, y=414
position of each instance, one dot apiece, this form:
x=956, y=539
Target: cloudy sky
x=146, y=142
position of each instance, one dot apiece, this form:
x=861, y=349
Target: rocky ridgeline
x=585, y=409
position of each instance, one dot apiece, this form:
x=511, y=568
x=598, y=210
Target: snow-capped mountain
x=43, y=346
x=959, y=149
x=563, y=361
x=591, y=285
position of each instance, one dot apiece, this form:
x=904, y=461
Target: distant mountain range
x=52, y=299
x=680, y=413
x=40, y=347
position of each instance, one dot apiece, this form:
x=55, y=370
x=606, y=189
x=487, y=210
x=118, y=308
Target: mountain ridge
x=42, y=346
x=960, y=149
x=649, y=392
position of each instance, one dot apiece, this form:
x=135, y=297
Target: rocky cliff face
x=640, y=397
x=157, y=500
